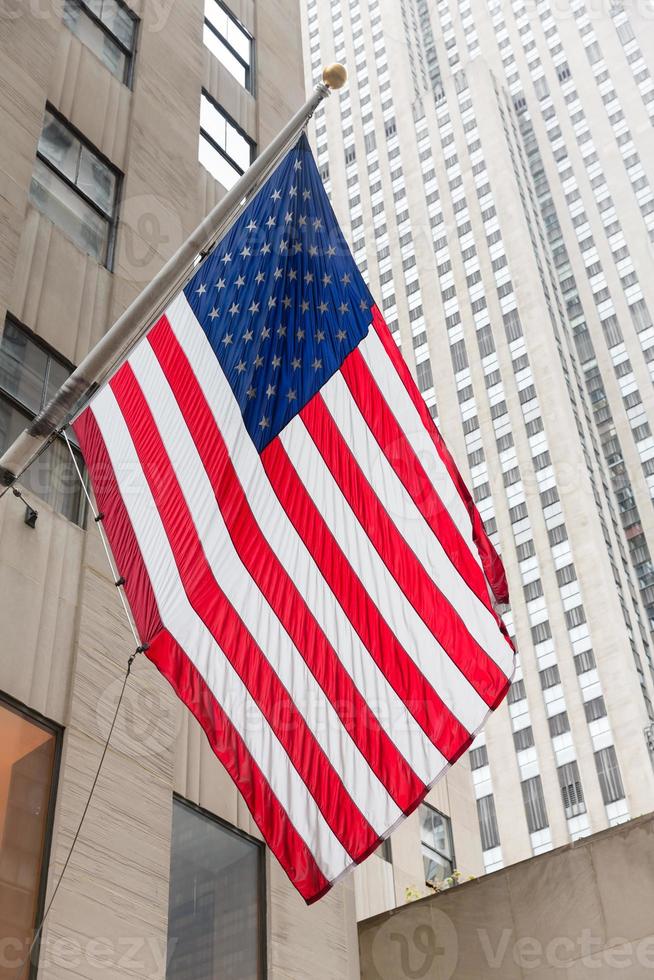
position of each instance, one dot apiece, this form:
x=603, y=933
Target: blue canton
x=280, y=298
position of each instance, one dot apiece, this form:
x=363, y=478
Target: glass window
x=29, y=376
x=571, y=792
x=490, y=835
x=437, y=844
x=229, y=42
x=608, y=772
x=216, y=906
x=28, y=753
x=108, y=29
x=534, y=801
x=75, y=188
x=224, y=150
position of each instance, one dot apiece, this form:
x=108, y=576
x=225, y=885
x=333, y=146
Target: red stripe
x=213, y=607
x=407, y=466
x=490, y=560
x=274, y=582
x=118, y=527
x=429, y=602
x=267, y=812
x=422, y=701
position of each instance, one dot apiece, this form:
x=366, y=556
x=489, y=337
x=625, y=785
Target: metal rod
x=151, y=302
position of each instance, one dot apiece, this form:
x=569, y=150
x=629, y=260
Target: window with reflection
x=28, y=753
x=437, y=844
x=108, y=29
x=225, y=151
x=75, y=188
x=30, y=374
x=216, y=907
x=229, y=42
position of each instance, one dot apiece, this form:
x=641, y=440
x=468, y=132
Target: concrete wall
x=584, y=910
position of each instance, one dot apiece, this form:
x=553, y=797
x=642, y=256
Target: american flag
x=298, y=547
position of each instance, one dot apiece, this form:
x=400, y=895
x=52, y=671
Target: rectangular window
x=75, y=188
x=424, y=375
x=437, y=844
x=28, y=763
x=523, y=739
x=608, y=772
x=490, y=835
x=229, y=42
x=108, y=29
x=549, y=677
x=559, y=724
x=595, y=709
x=225, y=151
x=478, y=757
x=217, y=899
x=584, y=661
x=532, y=795
x=29, y=376
x=571, y=792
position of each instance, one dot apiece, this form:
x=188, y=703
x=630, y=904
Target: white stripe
x=396, y=721
x=413, y=634
x=197, y=642
x=242, y=592
x=411, y=525
x=399, y=401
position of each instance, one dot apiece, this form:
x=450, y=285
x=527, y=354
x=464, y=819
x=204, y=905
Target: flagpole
x=150, y=303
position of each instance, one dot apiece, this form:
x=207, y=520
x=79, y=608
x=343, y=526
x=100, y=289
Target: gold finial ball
x=335, y=76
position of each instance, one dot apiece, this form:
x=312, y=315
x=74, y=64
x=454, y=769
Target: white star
x=202, y=289
x=326, y=279
x=272, y=302
x=227, y=339
x=239, y=282
x=293, y=191
x=264, y=423
x=320, y=336
x=276, y=196
x=270, y=223
x=346, y=279
x=234, y=309
x=313, y=251
x=363, y=305
x=252, y=226
x=258, y=361
x=265, y=248
x=240, y=367
x=296, y=363
x=227, y=257
x=317, y=364
x=317, y=224
x=276, y=361
x=259, y=278
x=288, y=217
x=297, y=247
x=323, y=307
x=341, y=335
x=302, y=220
x=300, y=334
x=331, y=252
x=278, y=272
x=251, y=392
x=283, y=245
x=305, y=306
x=271, y=390
x=281, y=330
x=344, y=308
x=247, y=336
x=220, y=284
x=245, y=252
x=297, y=165
x=214, y=313
x=265, y=333
x=292, y=275
x=308, y=278
x=306, y=195
x=291, y=395
x=286, y=302
x=253, y=307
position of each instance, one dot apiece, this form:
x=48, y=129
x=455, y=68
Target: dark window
x=75, y=188
x=608, y=772
x=29, y=376
x=224, y=150
x=523, y=739
x=217, y=898
x=595, y=709
x=549, y=677
x=424, y=375
x=437, y=844
x=478, y=757
x=28, y=765
x=571, y=792
x=516, y=692
x=490, y=835
x=534, y=801
x=559, y=724
x=108, y=29
x=584, y=661
x=229, y=42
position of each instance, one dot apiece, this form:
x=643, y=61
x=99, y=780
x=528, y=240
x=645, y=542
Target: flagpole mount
x=334, y=76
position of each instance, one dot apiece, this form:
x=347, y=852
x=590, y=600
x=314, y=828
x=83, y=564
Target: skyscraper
x=491, y=165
